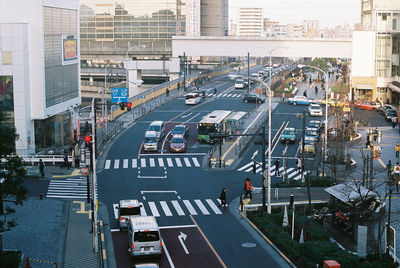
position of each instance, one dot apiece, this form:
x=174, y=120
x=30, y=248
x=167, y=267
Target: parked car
x=314, y=110
x=252, y=97
x=289, y=135
x=180, y=130
x=309, y=147
x=300, y=100
x=372, y=106
x=177, y=144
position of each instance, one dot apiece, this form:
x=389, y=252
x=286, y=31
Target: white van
x=144, y=237
x=150, y=141
x=127, y=209
x=158, y=127
x=239, y=84
x=192, y=98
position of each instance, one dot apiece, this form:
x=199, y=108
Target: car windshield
x=288, y=132
x=129, y=211
x=146, y=236
x=150, y=139
x=178, y=129
x=239, y=81
x=311, y=132
x=315, y=107
x=154, y=128
x=177, y=140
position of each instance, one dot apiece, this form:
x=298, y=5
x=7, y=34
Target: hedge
x=317, y=246
x=314, y=182
x=10, y=259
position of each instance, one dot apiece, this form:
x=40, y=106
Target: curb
x=103, y=252
x=63, y=234
x=107, y=244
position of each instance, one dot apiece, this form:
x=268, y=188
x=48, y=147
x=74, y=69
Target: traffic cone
x=27, y=263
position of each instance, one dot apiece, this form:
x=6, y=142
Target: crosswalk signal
x=122, y=105
x=129, y=106
x=254, y=167
x=88, y=141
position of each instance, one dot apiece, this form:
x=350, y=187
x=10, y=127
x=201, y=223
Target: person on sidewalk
x=348, y=162
x=167, y=92
x=368, y=142
x=397, y=149
x=41, y=167
x=215, y=91
x=248, y=188
x=277, y=173
x=316, y=91
x=389, y=168
x=310, y=80
x=394, y=121
x=396, y=173
x=66, y=164
x=298, y=165
x=375, y=133
x=222, y=198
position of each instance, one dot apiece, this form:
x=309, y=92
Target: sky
x=329, y=13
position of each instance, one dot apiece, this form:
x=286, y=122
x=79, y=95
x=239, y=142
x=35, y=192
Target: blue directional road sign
x=119, y=95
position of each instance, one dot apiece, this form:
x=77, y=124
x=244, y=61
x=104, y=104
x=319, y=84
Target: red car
x=372, y=106
x=357, y=104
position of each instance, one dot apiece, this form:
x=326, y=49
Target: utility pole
x=303, y=139
x=263, y=173
x=94, y=193
x=248, y=71
x=388, y=223
x=184, y=72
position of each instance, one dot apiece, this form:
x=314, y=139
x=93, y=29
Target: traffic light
x=254, y=167
x=129, y=106
x=122, y=105
x=291, y=202
x=88, y=141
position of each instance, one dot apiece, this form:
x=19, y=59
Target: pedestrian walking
x=167, y=92
x=348, y=162
x=179, y=86
x=394, y=121
x=215, y=91
x=397, y=149
x=298, y=165
x=316, y=91
x=222, y=198
x=305, y=93
x=41, y=167
x=66, y=164
x=248, y=188
x=277, y=173
x=368, y=142
x=389, y=168
x=310, y=80
x=396, y=173
x=375, y=134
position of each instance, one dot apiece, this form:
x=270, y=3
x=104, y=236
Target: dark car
x=389, y=113
x=180, y=130
x=252, y=97
x=178, y=144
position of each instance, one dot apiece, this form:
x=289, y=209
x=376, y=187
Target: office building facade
x=39, y=71
x=250, y=21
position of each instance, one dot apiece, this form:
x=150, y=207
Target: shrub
x=10, y=259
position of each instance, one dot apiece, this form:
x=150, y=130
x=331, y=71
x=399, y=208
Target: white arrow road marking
x=184, y=116
x=182, y=237
x=115, y=206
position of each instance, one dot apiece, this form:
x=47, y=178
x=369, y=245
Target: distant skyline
x=329, y=13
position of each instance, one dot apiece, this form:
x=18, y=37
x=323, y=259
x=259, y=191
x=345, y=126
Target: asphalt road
x=176, y=188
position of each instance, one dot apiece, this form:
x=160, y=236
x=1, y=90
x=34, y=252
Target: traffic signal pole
x=264, y=208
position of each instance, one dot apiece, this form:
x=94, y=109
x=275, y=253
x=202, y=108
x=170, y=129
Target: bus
x=214, y=122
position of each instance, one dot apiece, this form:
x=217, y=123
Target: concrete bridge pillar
x=133, y=75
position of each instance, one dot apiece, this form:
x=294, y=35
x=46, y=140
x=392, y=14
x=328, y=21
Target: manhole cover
x=248, y=245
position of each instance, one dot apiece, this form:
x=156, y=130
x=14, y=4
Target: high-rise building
x=295, y=31
x=376, y=56
x=39, y=71
x=250, y=21
x=214, y=17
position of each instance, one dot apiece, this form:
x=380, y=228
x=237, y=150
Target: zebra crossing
x=177, y=208
x=225, y=95
x=70, y=188
x=292, y=172
x=163, y=162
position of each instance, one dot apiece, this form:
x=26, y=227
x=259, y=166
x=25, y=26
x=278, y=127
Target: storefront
x=394, y=89
x=364, y=92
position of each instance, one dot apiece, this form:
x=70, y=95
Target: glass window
x=7, y=98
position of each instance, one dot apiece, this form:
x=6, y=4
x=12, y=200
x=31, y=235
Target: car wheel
x=246, y=101
x=294, y=103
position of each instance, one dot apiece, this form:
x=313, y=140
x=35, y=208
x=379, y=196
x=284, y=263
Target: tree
x=12, y=172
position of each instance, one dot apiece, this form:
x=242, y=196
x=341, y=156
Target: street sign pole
x=263, y=173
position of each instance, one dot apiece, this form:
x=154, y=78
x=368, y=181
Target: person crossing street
x=248, y=188
x=222, y=197
x=397, y=149
x=277, y=173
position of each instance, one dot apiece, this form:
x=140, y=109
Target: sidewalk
x=53, y=231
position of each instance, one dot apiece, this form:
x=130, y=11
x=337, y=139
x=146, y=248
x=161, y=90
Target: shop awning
x=394, y=85
x=368, y=87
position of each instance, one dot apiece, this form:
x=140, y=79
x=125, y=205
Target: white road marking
x=178, y=162
x=292, y=174
x=152, y=162
x=168, y=256
x=187, y=162
x=116, y=163
x=134, y=163
x=161, y=162
x=201, y=207
x=108, y=164
x=245, y=166
x=229, y=95
x=115, y=206
x=143, y=162
x=196, y=163
x=213, y=206
x=165, y=208
x=125, y=163
x=169, y=162
x=178, y=208
x=142, y=210
x=189, y=207
x=153, y=209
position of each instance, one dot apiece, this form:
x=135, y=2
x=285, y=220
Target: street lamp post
x=325, y=147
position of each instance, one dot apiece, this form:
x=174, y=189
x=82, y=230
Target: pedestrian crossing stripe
x=177, y=208
x=153, y=162
x=70, y=188
x=292, y=172
x=224, y=95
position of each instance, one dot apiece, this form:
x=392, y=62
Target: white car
x=299, y=100
x=239, y=83
x=314, y=110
